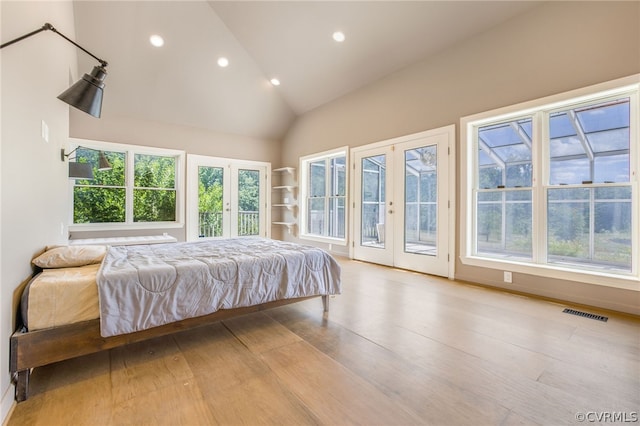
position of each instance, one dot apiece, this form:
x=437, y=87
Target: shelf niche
x=286, y=198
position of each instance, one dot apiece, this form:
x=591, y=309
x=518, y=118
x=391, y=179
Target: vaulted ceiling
x=182, y=83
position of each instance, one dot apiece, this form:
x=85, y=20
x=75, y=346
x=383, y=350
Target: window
x=504, y=189
x=553, y=186
x=323, y=196
x=140, y=189
x=154, y=188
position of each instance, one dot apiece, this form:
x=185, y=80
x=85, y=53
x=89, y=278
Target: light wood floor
x=397, y=348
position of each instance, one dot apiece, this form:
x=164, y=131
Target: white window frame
x=628, y=86
x=131, y=151
x=304, y=194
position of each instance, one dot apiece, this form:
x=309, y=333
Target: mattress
x=61, y=296
x=147, y=286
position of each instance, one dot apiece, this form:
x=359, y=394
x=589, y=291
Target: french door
x=226, y=198
x=401, y=200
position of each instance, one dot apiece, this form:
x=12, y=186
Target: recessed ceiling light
x=223, y=62
x=156, y=40
x=275, y=82
x=338, y=36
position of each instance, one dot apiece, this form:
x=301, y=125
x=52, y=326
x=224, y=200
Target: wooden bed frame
x=30, y=349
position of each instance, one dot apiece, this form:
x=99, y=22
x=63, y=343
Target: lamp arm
x=49, y=27
x=44, y=28
x=63, y=156
x=102, y=61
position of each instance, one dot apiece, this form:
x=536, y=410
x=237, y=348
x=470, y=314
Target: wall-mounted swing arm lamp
x=84, y=170
x=86, y=93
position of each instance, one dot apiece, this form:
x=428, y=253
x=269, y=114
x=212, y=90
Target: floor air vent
x=586, y=315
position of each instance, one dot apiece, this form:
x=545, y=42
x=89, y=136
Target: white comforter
x=150, y=285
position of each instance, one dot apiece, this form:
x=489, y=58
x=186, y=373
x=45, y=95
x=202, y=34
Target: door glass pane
x=421, y=200
x=373, y=201
x=210, y=184
x=248, y=202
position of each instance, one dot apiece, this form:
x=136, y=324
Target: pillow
x=70, y=256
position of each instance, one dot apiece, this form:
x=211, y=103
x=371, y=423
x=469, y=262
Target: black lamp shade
x=80, y=170
x=86, y=93
x=103, y=163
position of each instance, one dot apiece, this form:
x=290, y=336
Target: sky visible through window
x=587, y=144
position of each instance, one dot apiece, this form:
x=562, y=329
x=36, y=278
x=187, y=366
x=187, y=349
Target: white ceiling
x=181, y=83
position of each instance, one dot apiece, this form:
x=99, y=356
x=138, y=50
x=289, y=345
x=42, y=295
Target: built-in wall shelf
x=290, y=207
x=290, y=170
x=285, y=198
x=290, y=225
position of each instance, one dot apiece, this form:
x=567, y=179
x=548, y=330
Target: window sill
x=603, y=278
x=123, y=226
x=320, y=239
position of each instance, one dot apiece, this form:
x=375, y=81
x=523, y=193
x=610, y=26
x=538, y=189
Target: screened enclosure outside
x=421, y=200
x=589, y=147
x=373, y=201
x=587, y=189
x=503, y=199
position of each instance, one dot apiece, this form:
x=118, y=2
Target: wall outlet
x=508, y=278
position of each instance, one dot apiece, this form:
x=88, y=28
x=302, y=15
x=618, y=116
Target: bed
x=84, y=299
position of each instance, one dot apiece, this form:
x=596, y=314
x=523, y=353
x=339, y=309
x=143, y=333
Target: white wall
x=553, y=48
x=34, y=205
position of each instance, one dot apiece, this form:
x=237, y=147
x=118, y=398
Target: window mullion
x=634, y=157
x=327, y=196
x=540, y=164
x=129, y=182
x=592, y=221
x=503, y=224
